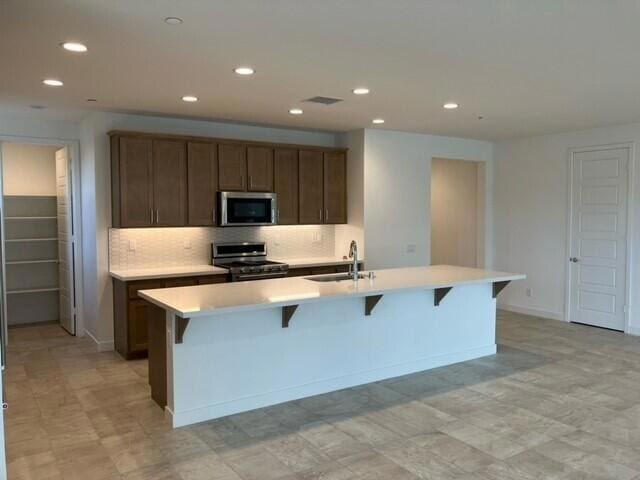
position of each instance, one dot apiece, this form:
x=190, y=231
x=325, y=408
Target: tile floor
x=559, y=401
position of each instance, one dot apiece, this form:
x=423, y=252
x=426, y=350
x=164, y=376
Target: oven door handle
x=261, y=276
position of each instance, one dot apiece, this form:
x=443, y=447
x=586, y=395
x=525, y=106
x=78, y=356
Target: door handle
x=574, y=259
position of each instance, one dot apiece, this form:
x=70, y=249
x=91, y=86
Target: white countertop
x=131, y=274
x=202, y=300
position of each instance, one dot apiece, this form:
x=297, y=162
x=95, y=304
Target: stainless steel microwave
x=247, y=209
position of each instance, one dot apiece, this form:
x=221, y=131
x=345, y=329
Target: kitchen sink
x=334, y=278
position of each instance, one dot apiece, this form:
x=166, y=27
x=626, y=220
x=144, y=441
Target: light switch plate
x=186, y=244
x=132, y=245
x=411, y=248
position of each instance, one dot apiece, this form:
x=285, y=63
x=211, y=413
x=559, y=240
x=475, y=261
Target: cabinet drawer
x=179, y=282
x=299, y=272
x=211, y=279
x=133, y=287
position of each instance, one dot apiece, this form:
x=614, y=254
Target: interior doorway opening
x=38, y=236
x=458, y=200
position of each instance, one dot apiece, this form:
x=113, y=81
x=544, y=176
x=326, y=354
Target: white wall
x=354, y=230
x=96, y=188
x=28, y=169
x=531, y=208
x=397, y=184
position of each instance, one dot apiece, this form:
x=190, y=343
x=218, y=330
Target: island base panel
x=235, y=362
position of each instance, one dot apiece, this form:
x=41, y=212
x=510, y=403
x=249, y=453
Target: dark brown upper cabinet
x=311, y=171
x=170, y=183
x=260, y=169
x=202, y=185
x=232, y=167
x=132, y=181
x=335, y=187
x=285, y=177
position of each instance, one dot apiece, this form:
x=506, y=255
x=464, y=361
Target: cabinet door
x=310, y=186
x=138, y=319
x=232, y=167
x=202, y=174
x=285, y=178
x=135, y=181
x=260, y=169
x=169, y=183
x=335, y=187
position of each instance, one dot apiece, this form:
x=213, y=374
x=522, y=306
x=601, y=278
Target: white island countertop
x=203, y=300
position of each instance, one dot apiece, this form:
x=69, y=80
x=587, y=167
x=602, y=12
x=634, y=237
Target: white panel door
x=66, y=252
x=598, y=252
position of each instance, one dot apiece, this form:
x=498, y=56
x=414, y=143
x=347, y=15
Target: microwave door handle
x=274, y=218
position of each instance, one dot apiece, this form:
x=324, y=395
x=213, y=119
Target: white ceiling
x=527, y=66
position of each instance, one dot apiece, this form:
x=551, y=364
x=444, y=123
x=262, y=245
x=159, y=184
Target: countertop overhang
x=206, y=300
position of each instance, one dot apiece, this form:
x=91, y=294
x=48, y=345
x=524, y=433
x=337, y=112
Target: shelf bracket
x=439, y=294
x=370, y=303
x=181, y=327
x=287, y=313
x=498, y=287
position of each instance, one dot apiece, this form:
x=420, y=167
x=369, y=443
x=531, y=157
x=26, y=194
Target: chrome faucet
x=353, y=253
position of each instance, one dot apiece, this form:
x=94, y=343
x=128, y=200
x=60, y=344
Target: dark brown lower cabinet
x=320, y=270
x=132, y=314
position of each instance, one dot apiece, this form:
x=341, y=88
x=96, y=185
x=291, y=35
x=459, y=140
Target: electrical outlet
x=276, y=239
x=132, y=245
x=528, y=292
x=411, y=248
x=186, y=244
x=317, y=237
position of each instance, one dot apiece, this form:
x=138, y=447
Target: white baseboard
x=633, y=330
x=244, y=404
x=536, y=312
x=101, y=346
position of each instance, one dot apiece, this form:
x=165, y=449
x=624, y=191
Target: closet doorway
x=39, y=236
x=458, y=212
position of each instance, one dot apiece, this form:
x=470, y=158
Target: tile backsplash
x=168, y=247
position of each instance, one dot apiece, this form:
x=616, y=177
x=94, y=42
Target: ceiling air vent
x=323, y=100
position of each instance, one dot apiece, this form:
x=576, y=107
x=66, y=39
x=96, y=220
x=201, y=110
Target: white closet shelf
x=24, y=262
x=44, y=239
x=33, y=290
x=30, y=218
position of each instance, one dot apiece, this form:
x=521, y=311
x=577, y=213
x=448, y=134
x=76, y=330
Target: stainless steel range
x=246, y=261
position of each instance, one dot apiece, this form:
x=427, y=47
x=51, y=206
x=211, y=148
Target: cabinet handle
x=151, y=216
x=213, y=215
x=320, y=214
x=242, y=181
x=326, y=215
x=157, y=216
x=250, y=181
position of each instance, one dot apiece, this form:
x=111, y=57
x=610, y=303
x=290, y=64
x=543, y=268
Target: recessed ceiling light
x=244, y=70
x=295, y=111
x=451, y=106
x=173, y=20
x=189, y=98
x=92, y=99
x=378, y=121
x=52, y=82
x=361, y=90
x=37, y=107
x=74, y=47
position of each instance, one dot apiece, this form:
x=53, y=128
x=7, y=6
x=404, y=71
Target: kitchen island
x=216, y=350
